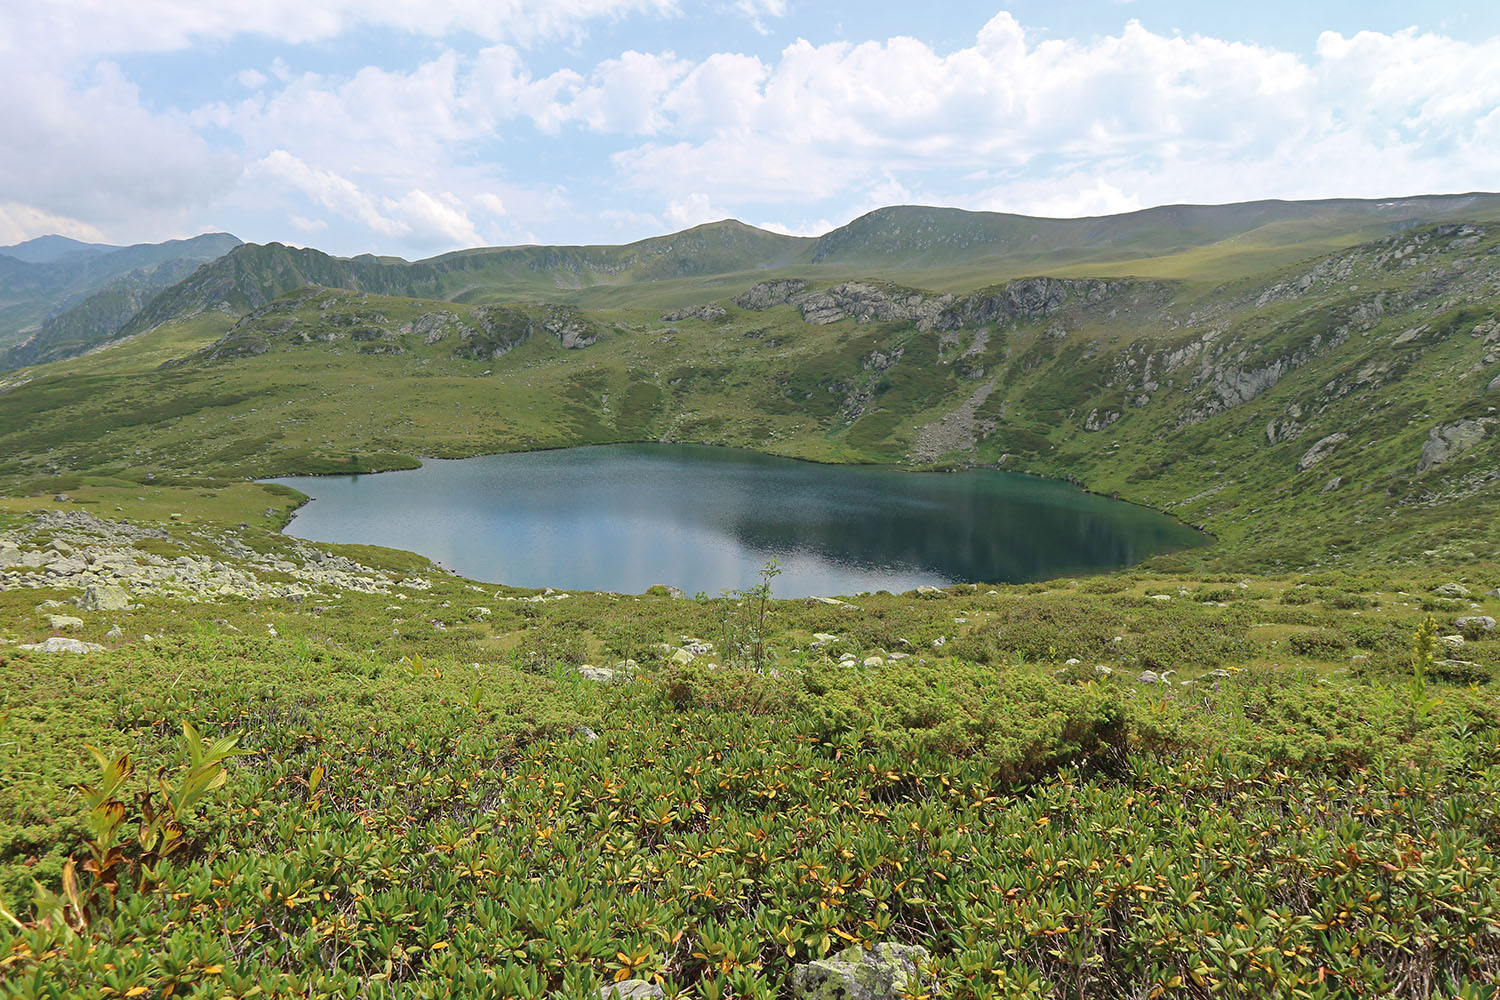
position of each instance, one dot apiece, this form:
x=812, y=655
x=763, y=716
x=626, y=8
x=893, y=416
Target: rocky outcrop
x=767, y=294
x=884, y=972
x=1447, y=441
x=868, y=301
x=432, y=326
x=708, y=313
x=1321, y=450
x=1098, y=419
x=863, y=301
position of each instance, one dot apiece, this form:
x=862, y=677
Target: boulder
x=61, y=622
x=880, y=973
x=1321, y=450
x=1451, y=590
x=1475, y=623
x=631, y=989
x=1450, y=440
x=104, y=597
x=603, y=675
x=62, y=644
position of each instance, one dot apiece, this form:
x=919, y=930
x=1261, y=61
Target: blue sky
x=396, y=126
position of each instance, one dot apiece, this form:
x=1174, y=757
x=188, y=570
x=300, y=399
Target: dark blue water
x=624, y=517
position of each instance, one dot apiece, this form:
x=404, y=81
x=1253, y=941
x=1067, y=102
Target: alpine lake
x=623, y=518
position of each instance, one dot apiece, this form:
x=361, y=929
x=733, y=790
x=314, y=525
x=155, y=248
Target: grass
x=421, y=804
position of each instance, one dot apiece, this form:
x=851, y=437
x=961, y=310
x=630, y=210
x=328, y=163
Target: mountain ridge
x=958, y=249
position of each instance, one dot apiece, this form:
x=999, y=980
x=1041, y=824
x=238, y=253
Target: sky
x=415, y=127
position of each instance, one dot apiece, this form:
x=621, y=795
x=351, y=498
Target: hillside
x=66, y=298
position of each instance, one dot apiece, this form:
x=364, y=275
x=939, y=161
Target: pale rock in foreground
x=881, y=973
x=631, y=989
x=62, y=644
x=103, y=597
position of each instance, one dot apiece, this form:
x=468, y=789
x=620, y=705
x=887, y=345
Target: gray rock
x=631, y=989
x=1098, y=420
x=603, y=675
x=1448, y=441
x=770, y=293
x=1149, y=677
x=928, y=590
x=707, y=313
x=881, y=973
x=1451, y=590
x=62, y=644
x=1494, y=384
x=1321, y=450
x=63, y=621
x=115, y=632
x=1332, y=484
x=104, y=597
x=1475, y=623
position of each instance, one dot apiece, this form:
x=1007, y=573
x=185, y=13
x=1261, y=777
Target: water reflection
x=624, y=517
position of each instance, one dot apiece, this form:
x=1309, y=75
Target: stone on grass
x=1475, y=623
x=104, y=597
x=631, y=989
x=880, y=973
x=61, y=622
x=62, y=644
x=1451, y=590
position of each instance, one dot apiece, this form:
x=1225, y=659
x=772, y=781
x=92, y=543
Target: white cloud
x=1071, y=127
x=253, y=79
x=91, y=151
x=759, y=10
x=108, y=26
x=420, y=218
x=801, y=229
x=19, y=223
x=691, y=210
x=306, y=225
